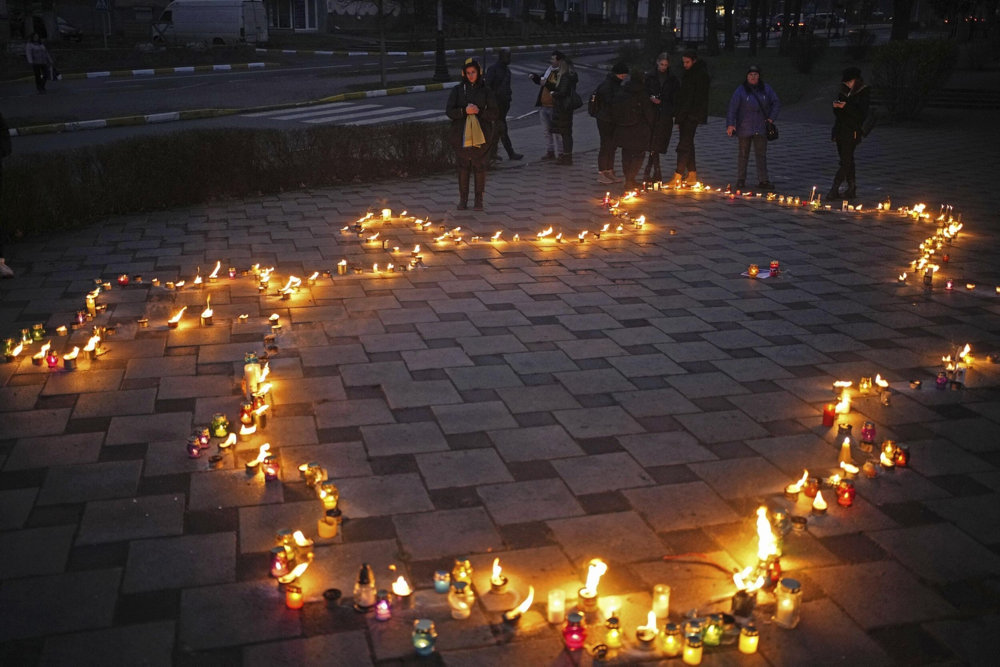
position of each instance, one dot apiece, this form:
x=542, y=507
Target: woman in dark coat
x=563, y=90
x=850, y=111
x=633, y=116
x=472, y=108
x=661, y=86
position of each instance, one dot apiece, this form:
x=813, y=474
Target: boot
x=691, y=178
x=834, y=193
x=852, y=190
x=648, y=174
x=676, y=181
x=463, y=188
x=657, y=174
x=480, y=188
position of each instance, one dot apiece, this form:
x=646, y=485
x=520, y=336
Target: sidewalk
x=629, y=398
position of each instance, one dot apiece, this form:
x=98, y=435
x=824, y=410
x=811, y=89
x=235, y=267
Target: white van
x=213, y=22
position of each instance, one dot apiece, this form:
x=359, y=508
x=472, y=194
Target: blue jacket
x=746, y=115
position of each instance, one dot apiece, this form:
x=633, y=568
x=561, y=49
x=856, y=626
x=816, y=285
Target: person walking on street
x=753, y=105
x=39, y=59
x=691, y=109
x=661, y=86
x=849, y=111
x=603, y=99
x=472, y=108
x=633, y=115
x=498, y=80
x=566, y=101
x=546, y=105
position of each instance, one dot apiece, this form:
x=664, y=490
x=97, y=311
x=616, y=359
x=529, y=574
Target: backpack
x=595, y=103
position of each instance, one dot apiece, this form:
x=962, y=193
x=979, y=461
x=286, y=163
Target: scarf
x=473, y=135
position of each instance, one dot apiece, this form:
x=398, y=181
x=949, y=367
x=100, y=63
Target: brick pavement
x=628, y=398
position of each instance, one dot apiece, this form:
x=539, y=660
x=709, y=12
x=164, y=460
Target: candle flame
x=43, y=350
x=819, y=503
x=92, y=343
x=314, y=276
x=844, y=405
x=262, y=454
x=496, y=237
x=545, y=232
x=229, y=442
x=902, y=277
x=741, y=580
x=293, y=284
x=264, y=372
x=72, y=355
x=650, y=620
x=263, y=389
x=842, y=384
x=523, y=607
x=261, y=410
x=342, y=262
x=373, y=237
x=208, y=307
x=849, y=468
x=582, y=235
x=215, y=273
x=248, y=429
x=301, y=540
x=605, y=227
x=886, y=460
x=197, y=279
x=177, y=317
x=965, y=352
x=386, y=213
x=795, y=487
x=401, y=586
x=496, y=578
x=595, y=571
x=767, y=545
x=880, y=382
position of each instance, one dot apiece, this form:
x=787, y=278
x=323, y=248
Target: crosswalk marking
x=424, y=115
x=279, y=112
x=350, y=113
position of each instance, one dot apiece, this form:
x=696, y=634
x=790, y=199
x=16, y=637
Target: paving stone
x=158, y=367
x=470, y=467
x=58, y=603
x=741, y=478
x=527, y=363
x=410, y=394
x=78, y=383
x=597, y=422
x=625, y=538
x=794, y=453
x=938, y=552
x=596, y=348
x=654, y=402
x=359, y=412
x=174, y=426
x=702, y=385
x=35, y=422
x=972, y=640
x=534, y=443
x=973, y=435
x=770, y=406
x=234, y=614
x=92, y=481
x=180, y=562
x=149, y=644
x=483, y=377
x=17, y=504
x=940, y=457
x=700, y=583
x=879, y=594
x=446, y=533
x=598, y=381
x=680, y=506
x=341, y=459
x=259, y=524
x=382, y=495
x=666, y=448
x=131, y=518
x=498, y=344
x=535, y=500
x=861, y=516
x=35, y=551
x=392, y=439
x=445, y=357
x=19, y=398
x=978, y=516
x=900, y=486
x=537, y=398
x=333, y=355
x=351, y=647
x=112, y=403
x=724, y=426
x=603, y=472
x=472, y=417
x=54, y=450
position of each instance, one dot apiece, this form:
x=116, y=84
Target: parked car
x=67, y=30
x=826, y=22
x=778, y=22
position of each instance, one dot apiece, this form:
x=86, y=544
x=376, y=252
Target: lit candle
x=749, y=638
x=423, y=637
x=713, y=631
x=328, y=525
x=460, y=599
x=574, y=634
x=829, y=414
x=402, y=593
x=670, y=640
x=792, y=490
x=613, y=636
x=788, y=596
x=512, y=616
x=661, y=601
x=819, y=505
x=588, y=594
x=556, y=608
x=845, y=493
x=293, y=596
x=271, y=468
x=442, y=581
x=364, y=589
x=498, y=582
x=383, y=607
x=693, y=650
x=646, y=634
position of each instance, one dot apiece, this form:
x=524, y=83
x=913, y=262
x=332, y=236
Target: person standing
x=546, y=105
x=753, y=105
x=39, y=59
x=661, y=86
x=472, y=108
x=633, y=116
x=566, y=101
x=604, y=99
x=5, y=150
x=691, y=109
x=849, y=111
x=498, y=80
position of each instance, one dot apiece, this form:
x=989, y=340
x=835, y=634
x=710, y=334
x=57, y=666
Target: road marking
x=314, y=110
x=348, y=114
x=426, y=114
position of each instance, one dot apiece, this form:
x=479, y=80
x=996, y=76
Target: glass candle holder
x=442, y=582
x=219, y=426
x=460, y=599
x=661, y=601
x=845, y=493
x=293, y=596
x=749, y=638
x=753, y=270
x=364, y=589
x=574, y=634
x=693, y=650
x=424, y=636
x=556, y=609
x=383, y=606
x=788, y=598
x=901, y=457
x=671, y=641
x=713, y=630
x=613, y=636
x=462, y=570
x=868, y=432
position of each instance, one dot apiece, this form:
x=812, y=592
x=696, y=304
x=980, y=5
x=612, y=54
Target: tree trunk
x=712, y=28
x=727, y=21
x=653, y=28
x=752, y=29
x=901, y=12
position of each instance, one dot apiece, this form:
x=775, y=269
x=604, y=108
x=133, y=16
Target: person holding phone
x=849, y=111
x=753, y=104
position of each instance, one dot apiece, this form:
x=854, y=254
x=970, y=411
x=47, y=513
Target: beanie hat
x=753, y=68
x=620, y=68
x=851, y=73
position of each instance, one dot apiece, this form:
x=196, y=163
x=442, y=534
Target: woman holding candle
x=472, y=108
x=753, y=105
x=850, y=110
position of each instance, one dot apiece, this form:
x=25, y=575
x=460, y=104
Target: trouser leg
x=545, y=117
x=606, y=153
x=41, y=74
x=743, y=158
x=685, y=146
x=760, y=157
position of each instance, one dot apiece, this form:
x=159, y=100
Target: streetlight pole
x=440, y=64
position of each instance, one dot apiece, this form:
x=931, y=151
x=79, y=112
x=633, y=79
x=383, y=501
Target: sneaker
x=604, y=178
x=614, y=178
x=5, y=271
x=514, y=156
x=549, y=156
x=765, y=186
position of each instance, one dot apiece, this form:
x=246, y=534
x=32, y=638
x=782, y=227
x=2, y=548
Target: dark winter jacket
x=605, y=96
x=692, y=97
x=562, y=93
x=750, y=106
x=663, y=86
x=633, y=117
x=466, y=93
x=498, y=80
x=849, y=120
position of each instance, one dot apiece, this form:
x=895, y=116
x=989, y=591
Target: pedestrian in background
x=633, y=116
x=472, y=109
x=498, y=80
x=691, y=109
x=601, y=109
x=546, y=105
x=753, y=105
x=849, y=111
x=566, y=101
x=661, y=86
x=39, y=59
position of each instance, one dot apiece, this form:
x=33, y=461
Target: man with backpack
x=600, y=107
x=498, y=80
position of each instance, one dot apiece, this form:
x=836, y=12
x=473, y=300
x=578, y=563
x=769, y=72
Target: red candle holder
x=574, y=634
x=829, y=414
x=845, y=493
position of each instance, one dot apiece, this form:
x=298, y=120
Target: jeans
x=685, y=146
x=41, y=75
x=606, y=154
x=845, y=149
x=553, y=142
x=759, y=142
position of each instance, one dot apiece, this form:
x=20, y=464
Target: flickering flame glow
x=844, y=405
x=293, y=284
x=198, y=280
x=248, y=429
x=767, y=545
x=842, y=384
x=849, y=468
x=819, y=504
x=72, y=355
x=401, y=586
x=880, y=382
x=177, y=317
x=964, y=353
x=497, y=577
x=45, y=348
x=264, y=372
x=342, y=262
x=545, y=232
x=386, y=213
x=228, y=442
x=314, y=276
x=496, y=236
x=215, y=273
x=373, y=237
x=208, y=307
x=265, y=449
x=795, y=487
x=886, y=460
x=92, y=343
x=595, y=571
x=650, y=621
x=261, y=410
x=523, y=607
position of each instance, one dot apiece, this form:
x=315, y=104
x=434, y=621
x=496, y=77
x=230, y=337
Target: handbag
x=772, y=130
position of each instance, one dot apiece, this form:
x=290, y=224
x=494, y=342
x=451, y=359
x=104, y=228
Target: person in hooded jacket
x=498, y=80
x=563, y=89
x=661, y=86
x=605, y=95
x=472, y=108
x=849, y=110
x=633, y=116
x=690, y=110
x=753, y=104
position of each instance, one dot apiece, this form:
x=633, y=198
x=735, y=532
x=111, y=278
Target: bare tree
x=727, y=24
x=752, y=29
x=901, y=12
x=653, y=28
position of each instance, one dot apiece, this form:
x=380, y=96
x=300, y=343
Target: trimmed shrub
x=859, y=43
x=905, y=73
x=50, y=191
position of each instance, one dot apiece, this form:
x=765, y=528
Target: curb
x=159, y=71
x=197, y=114
x=451, y=52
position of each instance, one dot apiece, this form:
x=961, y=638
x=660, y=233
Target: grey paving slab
x=445, y=533
x=382, y=495
x=141, y=644
x=723, y=426
x=625, y=538
x=131, y=518
x=680, y=506
x=94, y=379
x=339, y=459
x=19, y=398
x=58, y=603
x=793, y=453
x=498, y=344
x=111, y=403
x=157, y=367
x=702, y=385
x=259, y=524
x=901, y=486
x=938, y=552
x=665, y=448
x=332, y=355
x=535, y=500
x=472, y=417
x=741, y=478
x=471, y=467
x=234, y=614
x=54, y=450
x=234, y=488
x=971, y=640
x=360, y=412
x=35, y=422
x=526, y=363
x=408, y=394
x=351, y=647
x=534, y=443
x=597, y=381
x=391, y=439
x=601, y=472
x=597, y=422
x=35, y=551
x=174, y=426
x=180, y=562
x=771, y=406
x=483, y=377
x=537, y=398
x=91, y=481
x=309, y=390
x=17, y=505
